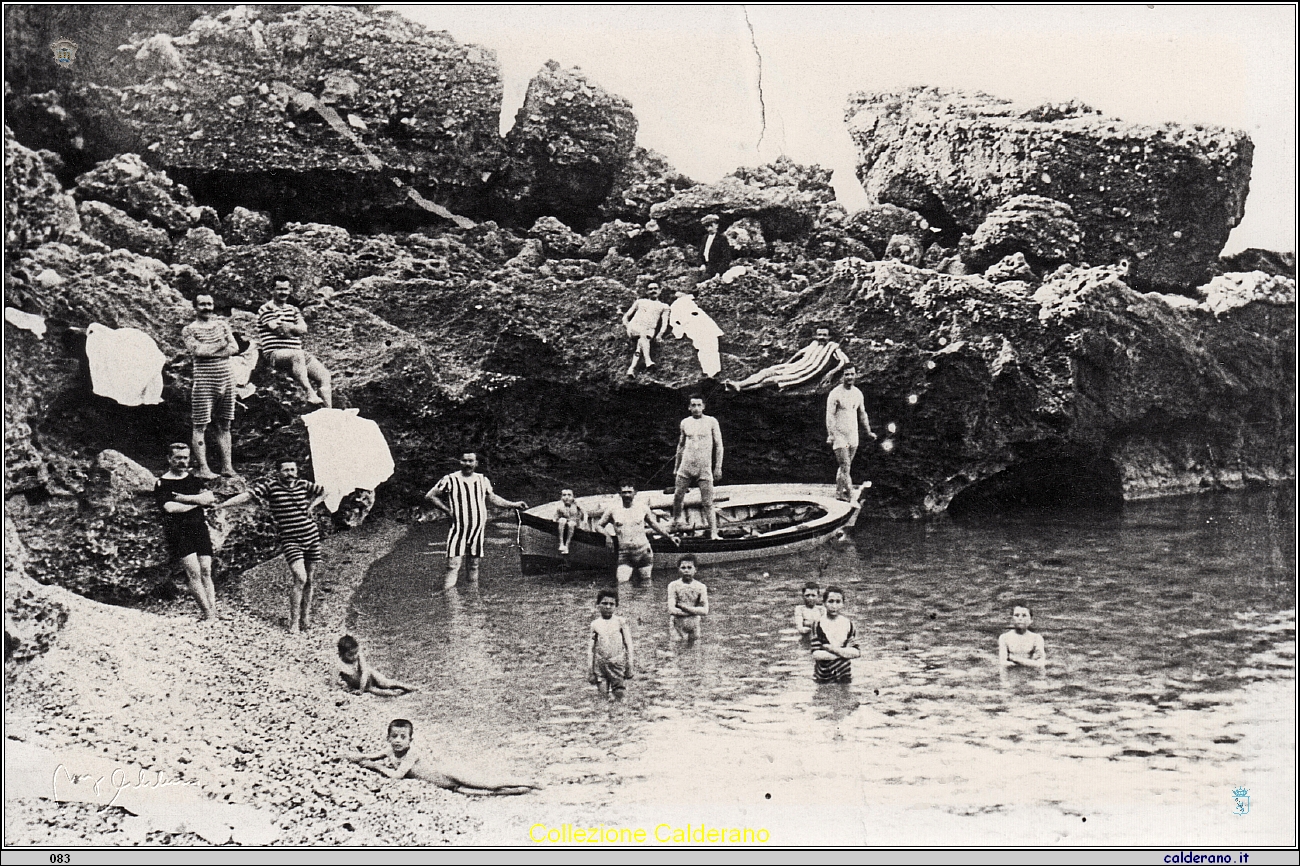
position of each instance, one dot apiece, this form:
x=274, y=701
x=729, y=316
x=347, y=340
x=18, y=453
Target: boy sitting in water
x=1021, y=647
x=609, y=653
x=400, y=760
x=807, y=614
x=834, y=641
x=358, y=675
x=688, y=600
x=569, y=517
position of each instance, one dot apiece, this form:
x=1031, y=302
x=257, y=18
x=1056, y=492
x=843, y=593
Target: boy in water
x=569, y=516
x=358, y=675
x=609, y=653
x=1021, y=647
x=401, y=760
x=688, y=600
x=834, y=641
x=807, y=614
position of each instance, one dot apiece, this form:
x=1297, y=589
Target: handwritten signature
x=119, y=780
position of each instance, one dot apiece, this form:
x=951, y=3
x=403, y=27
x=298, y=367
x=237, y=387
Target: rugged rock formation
x=229, y=107
x=1163, y=197
x=569, y=140
x=1041, y=230
x=784, y=197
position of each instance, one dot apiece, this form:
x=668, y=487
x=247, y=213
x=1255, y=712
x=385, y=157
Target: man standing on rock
x=211, y=344
x=845, y=408
x=717, y=250
x=463, y=496
x=699, y=462
x=280, y=329
x=291, y=500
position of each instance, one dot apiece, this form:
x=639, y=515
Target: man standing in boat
x=463, y=496
x=844, y=410
x=630, y=519
x=699, y=462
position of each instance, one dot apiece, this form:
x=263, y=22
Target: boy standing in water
x=807, y=614
x=357, y=674
x=834, y=641
x=400, y=760
x=688, y=600
x=609, y=652
x=1021, y=647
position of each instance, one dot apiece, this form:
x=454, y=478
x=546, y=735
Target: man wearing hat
x=717, y=252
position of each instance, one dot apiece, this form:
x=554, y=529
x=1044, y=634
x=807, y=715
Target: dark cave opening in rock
x=1048, y=482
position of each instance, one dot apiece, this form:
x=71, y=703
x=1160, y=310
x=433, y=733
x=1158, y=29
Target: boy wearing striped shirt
x=834, y=641
x=291, y=500
x=280, y=329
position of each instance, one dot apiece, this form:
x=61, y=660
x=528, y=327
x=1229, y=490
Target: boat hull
x=595, y=551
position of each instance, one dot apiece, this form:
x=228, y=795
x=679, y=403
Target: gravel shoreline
x=248, y=712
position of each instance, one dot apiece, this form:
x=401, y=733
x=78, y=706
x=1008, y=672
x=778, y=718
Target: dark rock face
x=114, y=228
x=1041, y=230
x=220, y=108
x=33, y=613
x=1163, y=197
x=36, y=207
x=569, y=140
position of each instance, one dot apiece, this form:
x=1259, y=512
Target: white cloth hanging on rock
x=687, y=319
x=348, y=453
x=125, y=365
x=26, y=321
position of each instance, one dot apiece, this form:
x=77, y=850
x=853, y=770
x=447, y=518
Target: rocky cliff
x=998, y=368
x=1163, y=198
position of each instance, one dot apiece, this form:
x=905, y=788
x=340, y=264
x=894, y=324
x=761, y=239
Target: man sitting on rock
x=814, y=361
x=280, y=329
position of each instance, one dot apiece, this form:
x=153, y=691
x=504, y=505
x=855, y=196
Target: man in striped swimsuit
x=814, y=361
x=280, y=329
x=291, y=500
x=211, y=344
x=463, y=496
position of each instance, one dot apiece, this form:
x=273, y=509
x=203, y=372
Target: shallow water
x=1157, y=623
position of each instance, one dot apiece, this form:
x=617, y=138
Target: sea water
x=1170, y=634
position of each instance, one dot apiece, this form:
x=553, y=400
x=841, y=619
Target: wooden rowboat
x=756, y=521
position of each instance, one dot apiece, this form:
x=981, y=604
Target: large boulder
x=244, y=226
x=126, y=182
x=33, y=613
x=559, y=241
x=875, y=224
x=645, y=178
x=1163, y=197
x=117, y=230
x=570, y=139
x=784, y=197
x=230, y=107
x=36, y=207
x=1041, y=229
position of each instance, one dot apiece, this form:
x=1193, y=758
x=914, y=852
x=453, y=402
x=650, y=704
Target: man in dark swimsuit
x=183, y=498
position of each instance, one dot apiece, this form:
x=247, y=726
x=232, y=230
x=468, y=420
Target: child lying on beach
x=361, y=677
x=400, y=760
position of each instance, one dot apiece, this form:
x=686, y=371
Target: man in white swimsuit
x=699, y=461
x=630, y=519
x=844, y=410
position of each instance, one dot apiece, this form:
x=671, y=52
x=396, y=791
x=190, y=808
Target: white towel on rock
x=125, y=365
x=348, y=453
x=689, y=320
